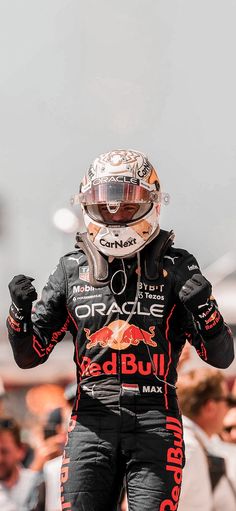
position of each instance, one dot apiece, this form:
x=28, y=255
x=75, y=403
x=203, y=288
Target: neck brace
x=151, y=258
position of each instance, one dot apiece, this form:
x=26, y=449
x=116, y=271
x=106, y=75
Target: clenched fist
x=22, y=292
x=195, y=293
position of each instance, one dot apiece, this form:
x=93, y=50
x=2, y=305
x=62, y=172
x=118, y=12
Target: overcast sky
x=78, y=78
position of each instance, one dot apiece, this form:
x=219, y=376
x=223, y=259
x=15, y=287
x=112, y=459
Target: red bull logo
x=127, y=363
x=212, y=320
x=119, y=335
x=15, y=325
x=212, y=317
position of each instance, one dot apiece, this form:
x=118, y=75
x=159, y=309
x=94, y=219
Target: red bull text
x=174, y=463
x=65, y=506
x=129, y=365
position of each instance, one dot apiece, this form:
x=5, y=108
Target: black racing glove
x=23, y=293
x=195, y=294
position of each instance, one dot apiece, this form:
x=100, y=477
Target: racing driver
x=131, y=301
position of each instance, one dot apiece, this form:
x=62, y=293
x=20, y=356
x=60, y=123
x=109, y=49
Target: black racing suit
x=125, y=420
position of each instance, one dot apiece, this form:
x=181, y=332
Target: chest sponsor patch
x=127, y=363
x=84, y=273
x=91, y=310
x=119, y=335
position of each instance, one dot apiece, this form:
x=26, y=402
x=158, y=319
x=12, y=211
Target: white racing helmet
x=120, y=198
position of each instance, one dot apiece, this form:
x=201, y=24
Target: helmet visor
x=124, y=191
x=115, y=213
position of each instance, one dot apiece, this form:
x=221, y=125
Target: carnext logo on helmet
x=118, y=244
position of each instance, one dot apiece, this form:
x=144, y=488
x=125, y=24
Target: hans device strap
x=152, y=259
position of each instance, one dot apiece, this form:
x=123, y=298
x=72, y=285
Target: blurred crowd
x=30, y=470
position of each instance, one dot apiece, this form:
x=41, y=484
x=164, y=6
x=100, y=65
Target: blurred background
x=81, y=78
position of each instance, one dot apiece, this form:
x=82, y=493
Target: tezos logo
x=118, y=244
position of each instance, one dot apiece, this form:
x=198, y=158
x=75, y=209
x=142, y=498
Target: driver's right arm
x=34, y=335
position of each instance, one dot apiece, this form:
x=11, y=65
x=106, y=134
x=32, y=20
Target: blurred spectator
x=28, y=455
x=184, y=357
x=57, y=422
x=2, y=397
x=21, y=489
x=70, y=394
x=226, y=442
x=48, y=459
x=203, y=398
x=229, y=426
x=234, y=389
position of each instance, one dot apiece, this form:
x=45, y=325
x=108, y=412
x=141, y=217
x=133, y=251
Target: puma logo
x=75, y=259
x=171, y=258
